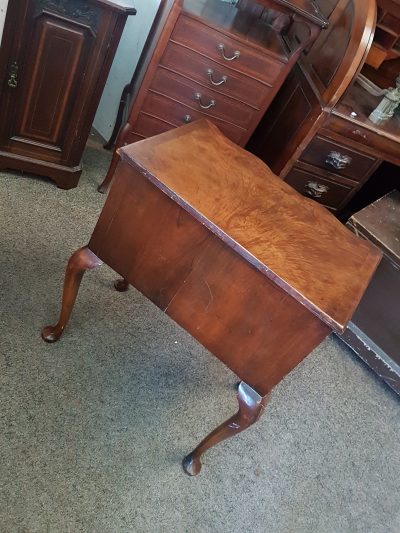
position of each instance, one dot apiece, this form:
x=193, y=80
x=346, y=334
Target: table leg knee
x=80, y=261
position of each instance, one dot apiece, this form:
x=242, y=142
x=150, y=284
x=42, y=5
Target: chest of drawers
x=210, y=59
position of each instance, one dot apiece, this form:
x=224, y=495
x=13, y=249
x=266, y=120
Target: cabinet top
x=292, y=240
x=125, y=6
x=306, y=8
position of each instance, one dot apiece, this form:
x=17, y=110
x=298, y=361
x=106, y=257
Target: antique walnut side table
x=255, y=272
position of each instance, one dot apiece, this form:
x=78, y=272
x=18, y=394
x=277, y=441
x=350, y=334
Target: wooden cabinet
x=321, y=115
x=208, y=58
x=54, y=61
x=374, y=333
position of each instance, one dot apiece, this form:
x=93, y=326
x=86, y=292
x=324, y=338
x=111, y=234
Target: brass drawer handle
x=198, y=97
x=338, y=161
x=12, y=80
x=315, y=189
x=359, y=133
x=236, y=54
x=223, y=80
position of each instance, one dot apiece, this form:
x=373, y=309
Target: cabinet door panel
x=50, y=84
x=52, y=81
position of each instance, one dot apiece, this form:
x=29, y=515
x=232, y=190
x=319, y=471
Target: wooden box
x=374, y=332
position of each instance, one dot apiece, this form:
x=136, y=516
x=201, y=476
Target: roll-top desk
x=317, y=135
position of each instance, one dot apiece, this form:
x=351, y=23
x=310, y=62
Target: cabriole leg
x=80, y=261
x=103, y=187
x=251, y=407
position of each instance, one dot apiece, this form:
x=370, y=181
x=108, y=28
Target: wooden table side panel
x=260, y=332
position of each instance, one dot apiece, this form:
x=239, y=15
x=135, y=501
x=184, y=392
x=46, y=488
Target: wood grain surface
x=292, y=240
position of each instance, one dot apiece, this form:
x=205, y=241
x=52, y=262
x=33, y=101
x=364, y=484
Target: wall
x=132, y=42
x=3, y=9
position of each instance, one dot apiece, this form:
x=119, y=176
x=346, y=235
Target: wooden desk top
x=292, y=240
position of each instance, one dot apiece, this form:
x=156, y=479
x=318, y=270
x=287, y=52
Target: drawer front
x=209, y=42
x=215, y=76
x=202, y=99
x=339, y=159
x=383, y=147
x=132, y=138
x=179, y=114
x=321, y=189
x=147, y=126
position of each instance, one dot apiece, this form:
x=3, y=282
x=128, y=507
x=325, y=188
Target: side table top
x=294, y=241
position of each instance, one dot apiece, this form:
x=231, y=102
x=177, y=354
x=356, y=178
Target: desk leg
x=103, y=187
x=251, y=407
x=80, y=261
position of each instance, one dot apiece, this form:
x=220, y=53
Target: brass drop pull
x=212, y=103
x=12, y=80
x=359, y=133
x=236, y=54
x=315, y=189
x=338, y=160
x=223, y=80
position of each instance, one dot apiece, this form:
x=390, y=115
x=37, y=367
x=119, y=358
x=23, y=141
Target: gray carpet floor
x=93, y=429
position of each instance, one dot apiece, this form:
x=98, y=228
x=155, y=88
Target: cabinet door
x=45, y=69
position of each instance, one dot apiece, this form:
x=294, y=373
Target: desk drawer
x=184, y=91
x=208, y=73
x=334, y=157
x=147, y=126
x=382, y=147
x=132, y=138
x=205, y=40
x=320, y=188
x=179, y=114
